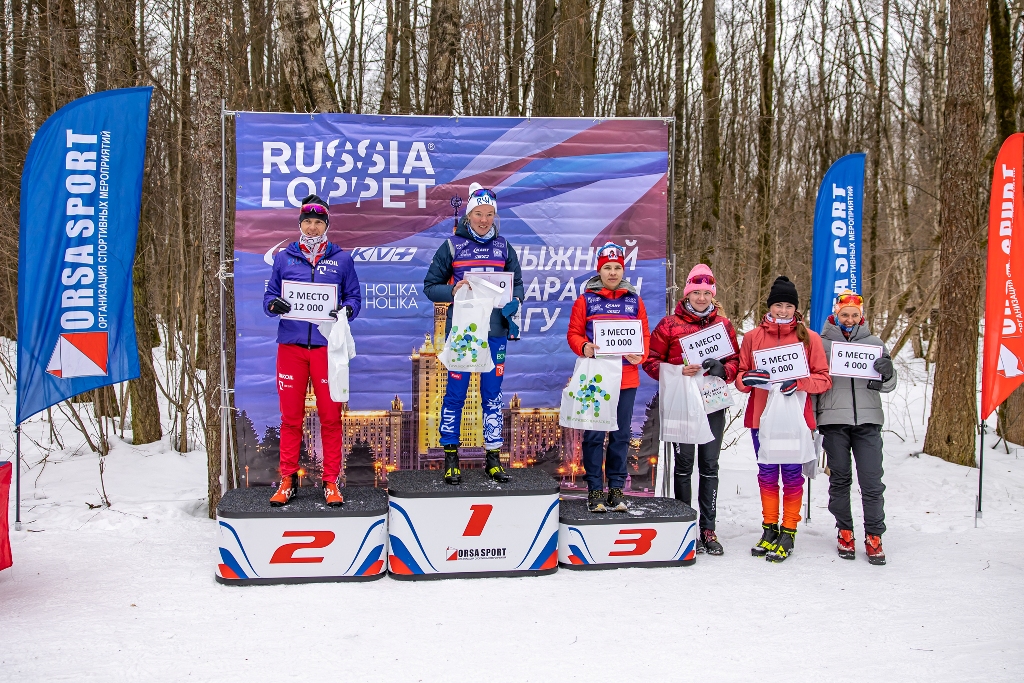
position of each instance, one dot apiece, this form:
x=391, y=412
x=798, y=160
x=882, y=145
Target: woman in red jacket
x=695, y=312
x=781, y=326
x=607, y=296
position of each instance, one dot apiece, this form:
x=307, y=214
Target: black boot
x=493, y=466
x=769, y=539
x=784, y=548
x=452, y=473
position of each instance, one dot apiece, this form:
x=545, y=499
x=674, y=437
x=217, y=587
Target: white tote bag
x=715, y=392
x=591, y=398
x=681, y=407
x=784, y=436
x=467, y=349
x=341, y=348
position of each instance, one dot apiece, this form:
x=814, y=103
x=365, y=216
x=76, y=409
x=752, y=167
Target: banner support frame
x=17, y=477
x=223, y=312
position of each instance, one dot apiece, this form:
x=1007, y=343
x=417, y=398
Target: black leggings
x=707, y=468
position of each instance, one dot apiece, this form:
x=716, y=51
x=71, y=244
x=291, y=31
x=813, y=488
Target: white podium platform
x=654, y=532
x=304, y=541
x=479, y=528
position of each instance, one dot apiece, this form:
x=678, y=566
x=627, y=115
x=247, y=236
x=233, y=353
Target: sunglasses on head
x=483, y=192
x=314, y=208
x=612, y=250
x=849, y=300
x=702, y=280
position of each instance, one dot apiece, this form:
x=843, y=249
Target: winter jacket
x=665, y=346
x=769, y=335
x=599, y=303
x=496, y=254
x=335, y=266
x=850, y=401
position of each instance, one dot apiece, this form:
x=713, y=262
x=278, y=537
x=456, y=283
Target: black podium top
x=641, y=510
x=528, y=481
x=253, y=502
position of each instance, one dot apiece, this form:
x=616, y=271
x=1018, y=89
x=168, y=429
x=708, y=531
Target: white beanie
x=482, y=199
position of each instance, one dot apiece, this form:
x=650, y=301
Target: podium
x=304, y=541
x=478, y=528
x=654, y=532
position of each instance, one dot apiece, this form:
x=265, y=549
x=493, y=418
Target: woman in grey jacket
x=850, y=419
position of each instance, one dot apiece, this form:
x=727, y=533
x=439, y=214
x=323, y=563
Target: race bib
x=854, y=360
x=311, y=301
x=783, y=362
x=713, y=342
x=618, y=337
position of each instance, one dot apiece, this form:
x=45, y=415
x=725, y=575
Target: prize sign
x=618, y=337
x=713, y=342
x=854, y=360
x=499, y=279
x=783, y=362
x=310, y=301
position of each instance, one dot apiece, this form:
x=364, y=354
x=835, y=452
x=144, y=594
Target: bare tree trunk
x=303, y=56
x=387, y=95
x=766, y=120
x=516, y=68
x=571, y=57
x=954, y=416
x=209, y=59
x=627, y=61
x=404, y=58
x=442, y=52
x=142, y=391
x=543, y=58
x=711, y=150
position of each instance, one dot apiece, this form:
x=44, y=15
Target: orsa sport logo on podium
x=79, y=354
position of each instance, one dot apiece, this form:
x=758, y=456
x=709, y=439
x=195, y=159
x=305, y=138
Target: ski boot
x=332, y=496
x=494, y=469
x=784, y=547
x=616, y=501
x=596, y=501
x=452, y=473
x=286, y=491
x=846, y=544
x=769, y=537
x=873, y=547
x=707, y=542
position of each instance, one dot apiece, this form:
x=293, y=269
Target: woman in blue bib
x=476, y=246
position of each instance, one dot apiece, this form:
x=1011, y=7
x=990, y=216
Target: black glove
x=279, y=306
x=347, y=309
x=756, y=378
x=714, y=367
x=883, y=366
x=788, y=387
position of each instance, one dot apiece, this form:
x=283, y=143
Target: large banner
x=564, y=187
x=80, y=197
x=1002, y=368
x=838, y=217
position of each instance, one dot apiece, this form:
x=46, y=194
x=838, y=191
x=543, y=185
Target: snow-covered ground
x=128, y=593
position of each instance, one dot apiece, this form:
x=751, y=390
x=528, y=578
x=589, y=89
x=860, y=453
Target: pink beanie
x=700, y=277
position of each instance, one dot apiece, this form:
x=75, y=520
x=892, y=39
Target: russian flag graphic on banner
x=81, y=192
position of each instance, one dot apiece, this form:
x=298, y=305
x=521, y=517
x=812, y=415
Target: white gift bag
x=715, y=392
x=341, y=348
x=467, y=349
x=681, y=407
x=591, y=398
x=784, y=436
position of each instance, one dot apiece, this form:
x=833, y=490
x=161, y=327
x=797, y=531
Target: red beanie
x=611, y=253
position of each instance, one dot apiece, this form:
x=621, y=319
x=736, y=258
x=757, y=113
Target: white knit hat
x=485, y=198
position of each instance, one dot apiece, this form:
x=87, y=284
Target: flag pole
x=17, y=478
x=981, y=470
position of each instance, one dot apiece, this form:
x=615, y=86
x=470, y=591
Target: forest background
x=765, y=96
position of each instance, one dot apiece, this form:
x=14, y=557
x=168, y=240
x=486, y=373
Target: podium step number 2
x=304, y=541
